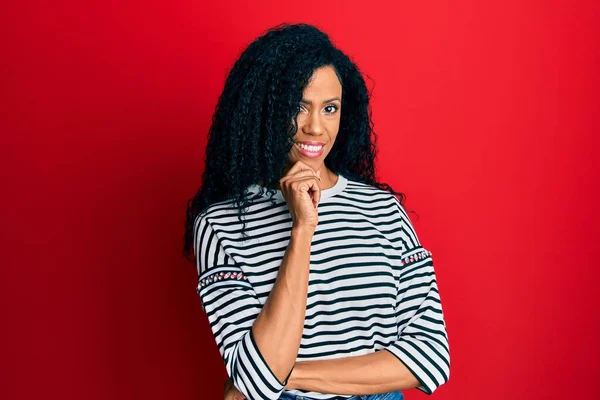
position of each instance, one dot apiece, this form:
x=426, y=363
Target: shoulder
x=388, y=204
x=216, y=211
x=204, y=221
x=366, y=192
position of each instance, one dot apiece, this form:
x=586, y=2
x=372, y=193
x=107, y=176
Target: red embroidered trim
x=418, y=256
x=219, y=276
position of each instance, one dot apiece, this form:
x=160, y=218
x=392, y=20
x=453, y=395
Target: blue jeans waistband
x=381, y=396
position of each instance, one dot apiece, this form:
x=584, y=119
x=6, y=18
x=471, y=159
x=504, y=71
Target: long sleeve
x=422, y=343
x=231, y=304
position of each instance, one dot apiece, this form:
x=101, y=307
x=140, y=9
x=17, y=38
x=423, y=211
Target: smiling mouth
x=310, y=148
x=310, y=151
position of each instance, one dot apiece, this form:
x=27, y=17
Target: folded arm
x=258, y=343
x=378, y=372
x=420, y=355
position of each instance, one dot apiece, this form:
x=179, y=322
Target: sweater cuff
x=259, y=375
x=418, y=363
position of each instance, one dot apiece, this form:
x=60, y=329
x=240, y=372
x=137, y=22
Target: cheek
x=333, y=126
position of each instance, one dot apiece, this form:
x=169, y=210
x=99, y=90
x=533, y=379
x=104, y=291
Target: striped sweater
x=372, y=285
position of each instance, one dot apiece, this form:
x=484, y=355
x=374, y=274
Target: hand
x=230, y=392
x=300, y=188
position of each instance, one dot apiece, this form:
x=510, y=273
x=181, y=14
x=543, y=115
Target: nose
x=313, y=125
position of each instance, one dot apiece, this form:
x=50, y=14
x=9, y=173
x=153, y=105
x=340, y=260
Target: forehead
x=323, y=83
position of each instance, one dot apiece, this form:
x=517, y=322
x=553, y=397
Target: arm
x=378, y=372
x=422, y=349
x=422, y=344
x=418, y=358
x=278, y=328
x=259, y=344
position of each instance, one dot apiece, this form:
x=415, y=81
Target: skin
x=318, y=120
x=278, y=327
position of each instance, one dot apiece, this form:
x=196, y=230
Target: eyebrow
x=326, y=101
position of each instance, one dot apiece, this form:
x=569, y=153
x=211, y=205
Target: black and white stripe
x=372, y=285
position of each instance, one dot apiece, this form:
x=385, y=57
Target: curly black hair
x=254, y=122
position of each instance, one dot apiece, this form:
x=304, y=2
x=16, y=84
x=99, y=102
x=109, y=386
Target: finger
x=317, y=196
x=297, y=175
x=316, y=192
x=300, y=167
x=297, y=167
x=311, y=181
x=313, y=188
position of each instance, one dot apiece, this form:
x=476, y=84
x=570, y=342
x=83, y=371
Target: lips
x=308, y=153
x=311, y=143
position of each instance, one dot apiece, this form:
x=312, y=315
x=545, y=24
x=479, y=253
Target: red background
x=487, y=116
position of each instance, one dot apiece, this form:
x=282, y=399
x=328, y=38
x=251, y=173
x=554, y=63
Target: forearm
x=278, y=327
x=378, y=372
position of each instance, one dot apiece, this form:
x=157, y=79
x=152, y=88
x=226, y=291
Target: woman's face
x=318, y=118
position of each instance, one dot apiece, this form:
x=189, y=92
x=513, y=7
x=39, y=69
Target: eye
x=335, y=108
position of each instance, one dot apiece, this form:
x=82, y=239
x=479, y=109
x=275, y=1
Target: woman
x=313, y=280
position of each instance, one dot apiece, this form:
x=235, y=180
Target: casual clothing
x=381, y=396
x=372, y=285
